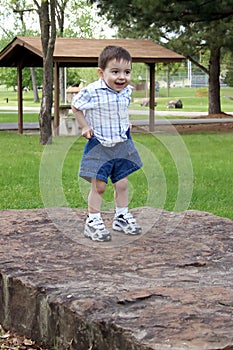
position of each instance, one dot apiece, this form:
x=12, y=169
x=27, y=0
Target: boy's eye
x=127, y=72
x=115, y=71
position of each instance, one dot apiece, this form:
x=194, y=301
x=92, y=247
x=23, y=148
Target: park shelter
x=71, y=52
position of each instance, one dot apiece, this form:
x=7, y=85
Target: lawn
x=193, y=99
x=189, y=171
x=189, y=96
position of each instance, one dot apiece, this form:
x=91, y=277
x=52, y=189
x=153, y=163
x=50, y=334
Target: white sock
x=121, y=211
x=93, y=216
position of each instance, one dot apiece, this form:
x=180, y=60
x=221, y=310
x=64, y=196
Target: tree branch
x=204, y=69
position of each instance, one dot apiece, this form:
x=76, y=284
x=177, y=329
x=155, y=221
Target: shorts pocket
x=91, y=144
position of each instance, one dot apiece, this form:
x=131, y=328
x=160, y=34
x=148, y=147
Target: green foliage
x=228, y=76
x=78, y=75
x=192, y=28
x=72, y=76
x=8, y=77
x=81, y=21
x=189, y=27
x=88, y=75
x=164, y=12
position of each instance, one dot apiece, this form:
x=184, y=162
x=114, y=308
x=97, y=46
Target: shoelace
x=98, y=222
x=129, y=217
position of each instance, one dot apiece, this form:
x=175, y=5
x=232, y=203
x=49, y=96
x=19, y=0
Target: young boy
x=101, y=109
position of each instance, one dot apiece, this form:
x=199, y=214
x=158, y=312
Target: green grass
x=191, y=102
x=7, y=117
x=12, y=97
x=34, y=176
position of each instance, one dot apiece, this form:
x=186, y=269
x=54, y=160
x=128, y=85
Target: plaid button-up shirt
x=105, y=110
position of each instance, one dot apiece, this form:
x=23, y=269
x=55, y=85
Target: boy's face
x=116, y=74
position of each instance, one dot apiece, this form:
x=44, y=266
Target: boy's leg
x=121, y=193
x=123, y=220
x=98, y=188
x=94, y=228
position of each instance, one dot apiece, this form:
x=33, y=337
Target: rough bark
x=48, y=37
x=214, y=84
x=60, y=15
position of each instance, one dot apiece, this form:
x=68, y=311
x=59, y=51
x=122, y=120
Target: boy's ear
x=100, y=72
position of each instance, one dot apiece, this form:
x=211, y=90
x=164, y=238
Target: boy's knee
x=122, y=184
x=100, y=187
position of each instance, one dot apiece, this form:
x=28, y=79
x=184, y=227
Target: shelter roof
x=27, y=51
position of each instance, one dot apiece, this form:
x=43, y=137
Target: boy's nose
x=122, y=75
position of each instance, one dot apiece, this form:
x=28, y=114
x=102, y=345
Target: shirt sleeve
x=82, y=101
x=128, y=93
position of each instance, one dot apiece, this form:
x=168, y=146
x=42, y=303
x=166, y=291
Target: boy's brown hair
x=113, y=52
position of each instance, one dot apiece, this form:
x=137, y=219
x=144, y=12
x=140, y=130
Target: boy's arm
x=87, y=132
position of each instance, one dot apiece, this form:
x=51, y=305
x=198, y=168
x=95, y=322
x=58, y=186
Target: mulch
x=214, y=127
x=192, y=128
x=9, y=340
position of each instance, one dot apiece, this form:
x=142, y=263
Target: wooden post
x=152, y=98
x=168, y=80
x=20, y=99
x=56, y=100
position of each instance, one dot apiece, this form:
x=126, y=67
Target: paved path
x=160, y=118
x=14, y=126
x=183, y=121
x=35, y=126
x=169, y=112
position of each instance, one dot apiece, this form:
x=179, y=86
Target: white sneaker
x=95, y=230
x=127, y=224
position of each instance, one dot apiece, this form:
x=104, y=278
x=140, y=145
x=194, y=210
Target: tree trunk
x=214, y=83
x=48, y=37
x=46, y=104
x=34, y=84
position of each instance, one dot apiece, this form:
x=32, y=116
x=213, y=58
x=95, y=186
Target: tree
x=47, y=19
x=49, y=11
x=208, y=40
x=20, y=8
x=46, y=11
x=189, y=27
x=8, y=77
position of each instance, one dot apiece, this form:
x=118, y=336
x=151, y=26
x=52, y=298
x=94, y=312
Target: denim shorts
x=101, y=162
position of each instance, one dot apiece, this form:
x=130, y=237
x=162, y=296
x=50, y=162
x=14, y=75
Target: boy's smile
x=116, y=74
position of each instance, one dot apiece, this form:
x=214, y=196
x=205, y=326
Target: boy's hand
x=87, y=132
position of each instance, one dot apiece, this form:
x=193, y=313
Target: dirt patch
x=213, y=127
x=189, y=128
x=214, y=116
x=12, y=341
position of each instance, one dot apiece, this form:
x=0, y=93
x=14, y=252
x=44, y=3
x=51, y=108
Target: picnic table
x=68, y=123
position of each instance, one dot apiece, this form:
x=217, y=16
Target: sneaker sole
x=115, y=227
x=106, y=239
